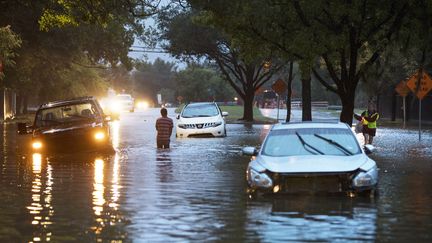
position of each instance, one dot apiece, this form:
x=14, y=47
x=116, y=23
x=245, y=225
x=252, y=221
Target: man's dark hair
x=164, y=112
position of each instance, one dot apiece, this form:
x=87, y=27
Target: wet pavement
x=195, y=191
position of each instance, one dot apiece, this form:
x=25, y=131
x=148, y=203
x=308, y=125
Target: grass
x=236, y=113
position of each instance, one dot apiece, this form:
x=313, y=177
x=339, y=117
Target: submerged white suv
x=201, y=119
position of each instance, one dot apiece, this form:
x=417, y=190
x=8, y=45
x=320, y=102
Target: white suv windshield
x=201, y=110
x=311, y=141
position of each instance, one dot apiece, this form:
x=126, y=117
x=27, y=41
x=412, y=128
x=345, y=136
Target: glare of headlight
x=115, y=106
x=99, y=135
x=37, y=145
x=143, y=104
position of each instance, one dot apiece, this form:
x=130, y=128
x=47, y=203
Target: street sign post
x=279, y=87
x=403, y=90
x=420, y=84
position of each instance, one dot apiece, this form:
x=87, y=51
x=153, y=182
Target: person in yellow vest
x=369, y=119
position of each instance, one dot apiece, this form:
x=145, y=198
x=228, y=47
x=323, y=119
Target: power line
x=148, y=51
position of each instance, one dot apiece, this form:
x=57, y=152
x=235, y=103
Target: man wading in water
x=164, y=126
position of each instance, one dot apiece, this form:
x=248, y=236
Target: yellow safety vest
x=371, y=124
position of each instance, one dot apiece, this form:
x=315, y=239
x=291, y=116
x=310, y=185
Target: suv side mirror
x=107, y=118
x=224, y=113
x=251, y=151
x=22, y=128
x=178, y=116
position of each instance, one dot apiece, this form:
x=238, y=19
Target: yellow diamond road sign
x=424, y=87
x=402, y=88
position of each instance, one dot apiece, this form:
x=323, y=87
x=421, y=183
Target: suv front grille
x=311, y=183
x=199, y=125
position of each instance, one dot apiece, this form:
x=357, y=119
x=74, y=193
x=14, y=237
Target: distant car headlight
x=143, y=104
x=366, y=179
x=115, y=106
x=37, y=145
x=99, y=136
x=258, y=179
x=180, y=125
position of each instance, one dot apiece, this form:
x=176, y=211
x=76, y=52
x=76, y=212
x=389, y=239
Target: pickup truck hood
x=312, y=163
x=65, y=128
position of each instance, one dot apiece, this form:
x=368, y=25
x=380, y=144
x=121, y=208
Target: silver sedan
x=311, y=157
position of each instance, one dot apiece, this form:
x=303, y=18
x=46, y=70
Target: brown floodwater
x=196, y=191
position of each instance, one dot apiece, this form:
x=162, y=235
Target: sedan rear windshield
x=205, y=110
x=311, y=141
x=65, y=114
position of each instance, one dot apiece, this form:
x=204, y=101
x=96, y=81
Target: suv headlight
x=216, y=124
x=258, y=179
x=366, y=179
x=180, y=125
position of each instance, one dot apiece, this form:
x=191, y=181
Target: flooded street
x=196, y=191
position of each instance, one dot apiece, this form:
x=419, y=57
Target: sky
x=151, y=57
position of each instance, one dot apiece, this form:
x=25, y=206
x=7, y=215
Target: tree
x=187, y=38
x=190, y=85
x=9, y=41
x=64, y=37
x=150, y=78
x=346, y=36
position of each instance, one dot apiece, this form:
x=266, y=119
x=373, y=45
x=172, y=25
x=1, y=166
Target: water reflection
x=40, y=208
x=98, y=193
x=313, y=218
x=164, y=165
x=115, y=133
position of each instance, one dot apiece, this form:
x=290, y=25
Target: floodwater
x=195, y=191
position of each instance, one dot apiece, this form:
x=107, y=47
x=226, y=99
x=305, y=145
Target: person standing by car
x=164, y=126
x=368, y=119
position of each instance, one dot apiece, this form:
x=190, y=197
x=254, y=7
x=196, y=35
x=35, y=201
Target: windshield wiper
x=336, y=144
x=308, y=145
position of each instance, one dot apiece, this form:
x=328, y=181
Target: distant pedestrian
x=369, y=119
x=164, y=126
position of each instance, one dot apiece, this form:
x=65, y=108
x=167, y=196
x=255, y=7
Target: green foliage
x=9, y=41
x=197, y=83
x=150, y=78
x=65, y=45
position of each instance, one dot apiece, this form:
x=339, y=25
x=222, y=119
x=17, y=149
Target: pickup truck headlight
x=99, y=136
x=366, y=179
x=37, y=145
x=258, y=179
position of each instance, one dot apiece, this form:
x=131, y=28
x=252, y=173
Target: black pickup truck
x=69, y=126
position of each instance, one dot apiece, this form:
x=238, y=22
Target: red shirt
x=164, y=126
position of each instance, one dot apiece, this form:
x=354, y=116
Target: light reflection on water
x=40, y=208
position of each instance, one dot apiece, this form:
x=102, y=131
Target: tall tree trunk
x=306, y=98
x=393, y=107
x=25, y=104
x=248, y=104
x=347, y=108
x=19, y=104
x=289, y=93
